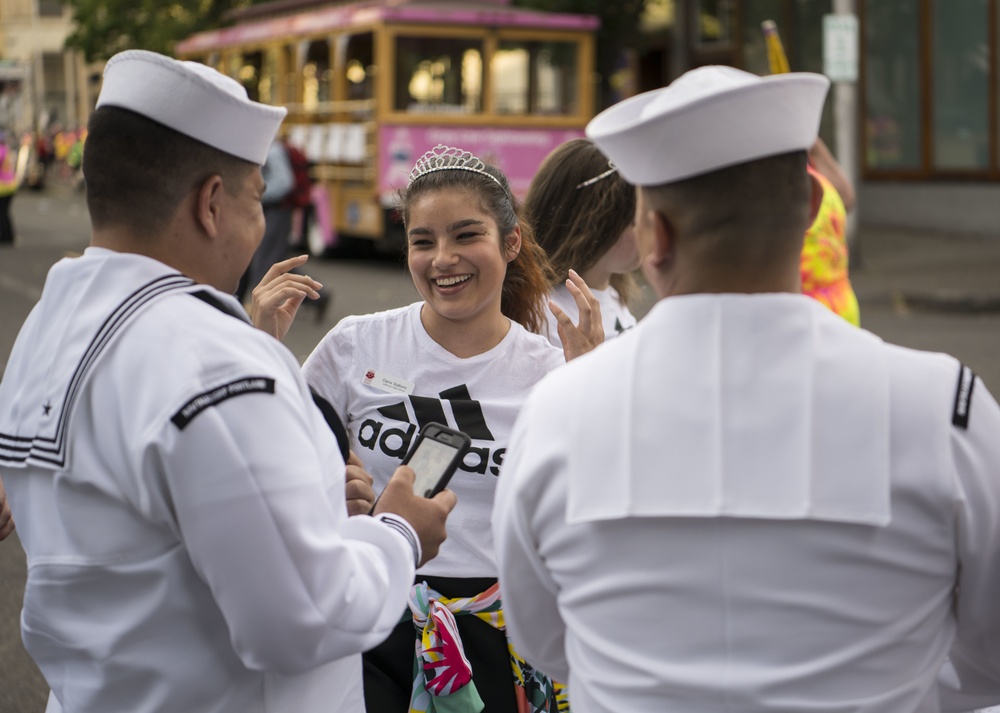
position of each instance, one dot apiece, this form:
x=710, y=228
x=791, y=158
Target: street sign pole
x=841, y=45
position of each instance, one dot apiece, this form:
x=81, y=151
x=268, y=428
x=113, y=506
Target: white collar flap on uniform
x=763, y=406
x=86, y=303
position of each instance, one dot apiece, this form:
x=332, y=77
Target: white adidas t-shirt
x=386, y=376
x=614, y=314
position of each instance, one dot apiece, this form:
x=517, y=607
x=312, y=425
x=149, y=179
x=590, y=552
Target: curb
x=948, y=301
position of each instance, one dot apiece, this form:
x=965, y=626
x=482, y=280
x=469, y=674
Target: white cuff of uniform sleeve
x=405, y=529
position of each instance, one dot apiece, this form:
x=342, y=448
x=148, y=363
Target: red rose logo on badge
x=369, y=375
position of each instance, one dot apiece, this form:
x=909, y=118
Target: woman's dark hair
x=529, y=275
x=577, y=216
x=138, y=171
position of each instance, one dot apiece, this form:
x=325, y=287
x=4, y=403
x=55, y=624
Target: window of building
x=930, y=74
x=54, y=81
x=800, y=27
x=960, y=85
x=50, y=8
x=753, y=50
x=714, y=22
x=893, y=87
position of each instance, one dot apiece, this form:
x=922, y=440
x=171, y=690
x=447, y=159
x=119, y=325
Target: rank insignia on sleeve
x=963, y=397
x=215, y=396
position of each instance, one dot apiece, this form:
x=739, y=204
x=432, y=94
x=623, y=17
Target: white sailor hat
x=192, y=99
x=707, y=119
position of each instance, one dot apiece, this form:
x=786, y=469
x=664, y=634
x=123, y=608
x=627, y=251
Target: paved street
x=924, y=291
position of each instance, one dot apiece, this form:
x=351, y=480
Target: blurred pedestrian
x=279, y=176
x=279, y=181
x=9, y=183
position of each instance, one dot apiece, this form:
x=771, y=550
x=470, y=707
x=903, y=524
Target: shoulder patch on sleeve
x=963, y=397
x=213, y=397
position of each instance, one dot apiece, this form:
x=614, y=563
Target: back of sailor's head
x=163, y=126
x=720, y=150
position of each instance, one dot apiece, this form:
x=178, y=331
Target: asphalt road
x=927, y=292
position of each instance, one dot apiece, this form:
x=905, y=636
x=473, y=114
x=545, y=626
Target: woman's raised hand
x=579, y=338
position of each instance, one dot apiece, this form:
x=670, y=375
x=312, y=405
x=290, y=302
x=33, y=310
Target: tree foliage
x=104, y=27
x=619, y=29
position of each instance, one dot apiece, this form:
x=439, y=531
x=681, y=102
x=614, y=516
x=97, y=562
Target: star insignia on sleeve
x=46, y=407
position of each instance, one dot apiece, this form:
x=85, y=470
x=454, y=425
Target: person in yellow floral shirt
x=824, y=263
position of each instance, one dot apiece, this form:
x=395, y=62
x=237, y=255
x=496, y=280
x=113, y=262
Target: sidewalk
x=926, y=271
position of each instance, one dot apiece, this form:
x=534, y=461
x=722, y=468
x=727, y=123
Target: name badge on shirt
x=384, y=382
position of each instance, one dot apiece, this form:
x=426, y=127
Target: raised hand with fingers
x=579, y=338
x=276, y=300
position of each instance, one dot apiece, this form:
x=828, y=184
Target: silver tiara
x=595, y=179
x=449, y=158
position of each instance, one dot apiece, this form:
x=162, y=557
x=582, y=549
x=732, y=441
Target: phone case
x=443, y=467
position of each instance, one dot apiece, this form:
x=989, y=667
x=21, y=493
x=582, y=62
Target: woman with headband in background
x=583, y=213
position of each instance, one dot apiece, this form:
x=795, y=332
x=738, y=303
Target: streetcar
x=371, y=85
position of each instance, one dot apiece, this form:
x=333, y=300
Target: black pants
x=389, y=666
x=6, y=225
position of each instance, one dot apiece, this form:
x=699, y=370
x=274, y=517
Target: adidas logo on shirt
x=468, y=417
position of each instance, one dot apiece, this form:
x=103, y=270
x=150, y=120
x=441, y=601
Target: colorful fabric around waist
x=442, y=673
x=824, y=261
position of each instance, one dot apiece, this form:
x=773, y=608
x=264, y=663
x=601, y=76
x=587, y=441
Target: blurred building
x=928, y=93
x=39, y=79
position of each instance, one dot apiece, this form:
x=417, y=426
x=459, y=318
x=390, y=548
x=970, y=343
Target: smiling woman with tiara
x=467, y=355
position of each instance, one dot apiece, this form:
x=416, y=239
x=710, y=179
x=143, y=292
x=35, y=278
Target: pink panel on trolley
x=517, y=152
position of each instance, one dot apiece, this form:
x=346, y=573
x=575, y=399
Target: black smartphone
x=435, y=456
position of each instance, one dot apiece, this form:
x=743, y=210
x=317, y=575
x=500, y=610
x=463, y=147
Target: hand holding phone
x=434, y=457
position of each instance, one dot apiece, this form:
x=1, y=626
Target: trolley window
x=439, y=75
x=538, y=78
x=316, y=74
x=359, y=66
x=258, y=73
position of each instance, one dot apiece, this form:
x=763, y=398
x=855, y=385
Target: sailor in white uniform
x=180, y=498
x=744, y=503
